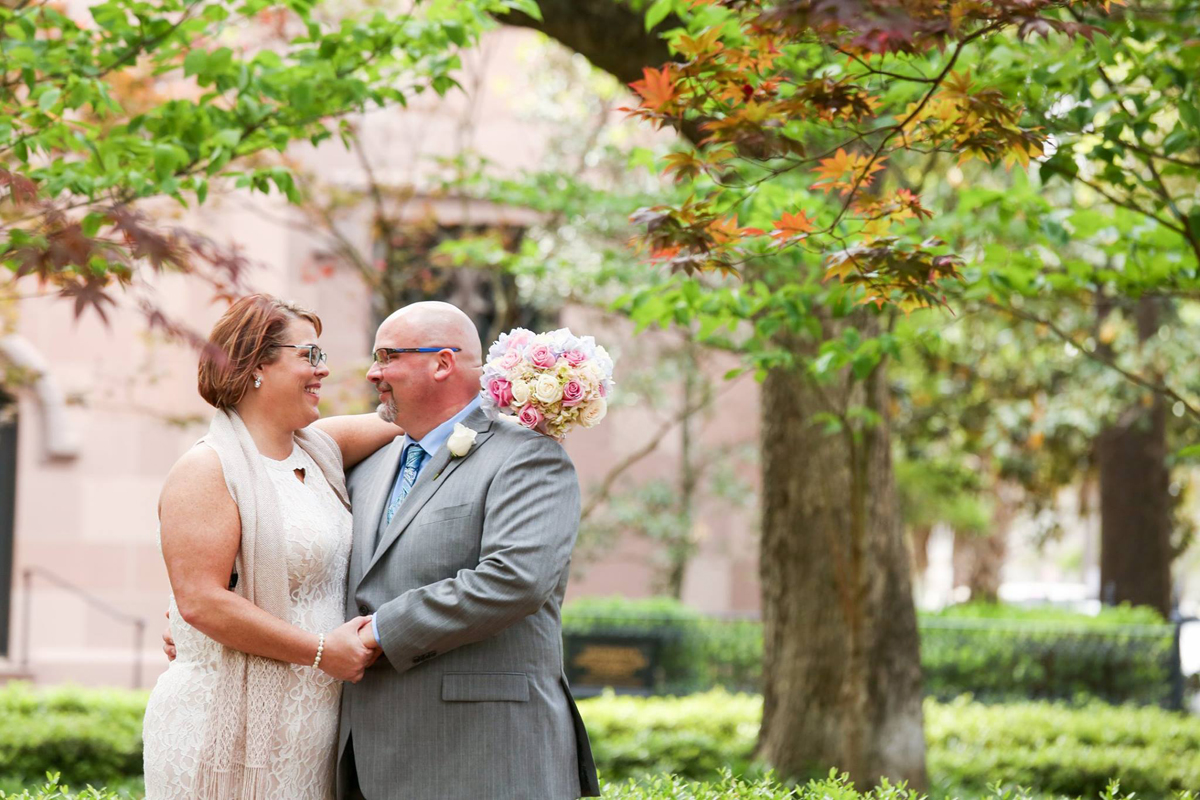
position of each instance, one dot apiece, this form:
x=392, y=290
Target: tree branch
x=611, y=35
x=604, y=490
x=1140, y=380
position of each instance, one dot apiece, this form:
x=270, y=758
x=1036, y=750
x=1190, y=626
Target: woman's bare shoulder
x=196, y=480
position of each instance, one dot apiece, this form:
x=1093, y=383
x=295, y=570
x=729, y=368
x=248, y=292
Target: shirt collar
x=437, y=437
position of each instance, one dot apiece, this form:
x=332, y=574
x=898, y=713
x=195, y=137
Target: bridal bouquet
x=550, y=382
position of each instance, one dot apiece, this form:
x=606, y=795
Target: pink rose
x=572, y=393
x=519, y=337
x=501, y=392
x=541, y=356
x=530, y=417
x=510, y=359
x=575, y=357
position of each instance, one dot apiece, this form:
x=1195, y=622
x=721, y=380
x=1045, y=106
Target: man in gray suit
x=462, y=561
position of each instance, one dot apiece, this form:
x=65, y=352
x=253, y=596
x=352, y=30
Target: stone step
x=11, y=671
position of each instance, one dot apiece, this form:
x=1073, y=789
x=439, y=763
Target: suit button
x=363, y=611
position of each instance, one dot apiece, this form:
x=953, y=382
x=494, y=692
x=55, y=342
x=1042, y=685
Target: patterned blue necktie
x=413, y=457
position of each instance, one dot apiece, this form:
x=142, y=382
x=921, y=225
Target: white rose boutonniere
x=461, y=440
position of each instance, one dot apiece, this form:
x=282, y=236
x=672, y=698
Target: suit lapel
x=369, y=510
x=433, y=476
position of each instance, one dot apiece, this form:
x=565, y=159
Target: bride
x=255, y=530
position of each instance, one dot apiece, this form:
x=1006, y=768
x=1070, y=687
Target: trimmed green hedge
x=1109, y=616
x=93, y=736
x=1061, y=749
x=1053, y=748
x=995, y=652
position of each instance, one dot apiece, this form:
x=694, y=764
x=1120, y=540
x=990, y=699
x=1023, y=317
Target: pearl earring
x=257, y=381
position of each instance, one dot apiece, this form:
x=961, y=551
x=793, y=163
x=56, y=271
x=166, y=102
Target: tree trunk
x=1135, y=501
x=841, y=670
x=842, y=674
x=1135, y=510
x=979, y=557
x=918, y=542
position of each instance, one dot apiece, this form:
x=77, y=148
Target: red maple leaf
x=657, y=87
x=846, y=171
x=790, y=225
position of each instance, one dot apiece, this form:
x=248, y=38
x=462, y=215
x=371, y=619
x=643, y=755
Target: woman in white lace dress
x=256, y=533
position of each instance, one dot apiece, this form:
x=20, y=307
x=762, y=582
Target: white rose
x=547, y=389
x=520, y=391
x=590, y=377
x=461, y=440
x=604, y=359
x=591, y=413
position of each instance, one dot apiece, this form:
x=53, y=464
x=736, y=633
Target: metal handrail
x=138, y=623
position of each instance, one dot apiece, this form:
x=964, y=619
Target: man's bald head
x=419, y=391
x=437, y=324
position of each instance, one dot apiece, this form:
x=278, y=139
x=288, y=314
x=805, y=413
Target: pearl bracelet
x=320, y=651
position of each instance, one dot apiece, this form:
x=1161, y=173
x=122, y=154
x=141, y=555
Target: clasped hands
x=349, y=649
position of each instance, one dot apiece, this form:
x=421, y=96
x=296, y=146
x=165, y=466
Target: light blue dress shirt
x=432, y=442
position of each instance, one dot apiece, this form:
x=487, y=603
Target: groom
x=462, y=542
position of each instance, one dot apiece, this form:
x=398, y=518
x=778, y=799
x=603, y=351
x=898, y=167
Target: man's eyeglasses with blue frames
x=384, y=354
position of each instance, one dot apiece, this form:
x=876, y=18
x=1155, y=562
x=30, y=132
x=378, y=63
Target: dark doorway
x=8, y=507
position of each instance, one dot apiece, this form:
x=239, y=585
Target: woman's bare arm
x=358, y=435
x=201, y=534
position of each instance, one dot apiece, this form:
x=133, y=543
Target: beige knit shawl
x=235, y=758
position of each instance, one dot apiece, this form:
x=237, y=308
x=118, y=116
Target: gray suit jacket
x=470, y=700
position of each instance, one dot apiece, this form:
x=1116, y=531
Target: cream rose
x=590, y=381
x=592, y=412
x=547, y=389
x=520, y=392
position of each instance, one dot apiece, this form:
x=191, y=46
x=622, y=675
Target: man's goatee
x=386, y=412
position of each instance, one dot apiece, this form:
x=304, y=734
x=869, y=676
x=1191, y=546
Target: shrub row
x=996, y=653
x=94, y=736
x=1052, y=747
x=671, y=787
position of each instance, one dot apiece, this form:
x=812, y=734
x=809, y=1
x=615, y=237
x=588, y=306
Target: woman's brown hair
x=246, y=336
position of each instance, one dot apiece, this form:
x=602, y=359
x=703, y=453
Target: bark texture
x=842, y=675
x=1135, y=510
x=979, y=557
x=1135, y=501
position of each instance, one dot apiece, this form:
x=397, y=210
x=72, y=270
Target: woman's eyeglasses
x=316, y=356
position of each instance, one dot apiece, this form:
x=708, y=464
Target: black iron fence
x=994, y=660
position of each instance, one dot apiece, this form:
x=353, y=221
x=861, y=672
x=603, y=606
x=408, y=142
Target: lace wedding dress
x=304, y=751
